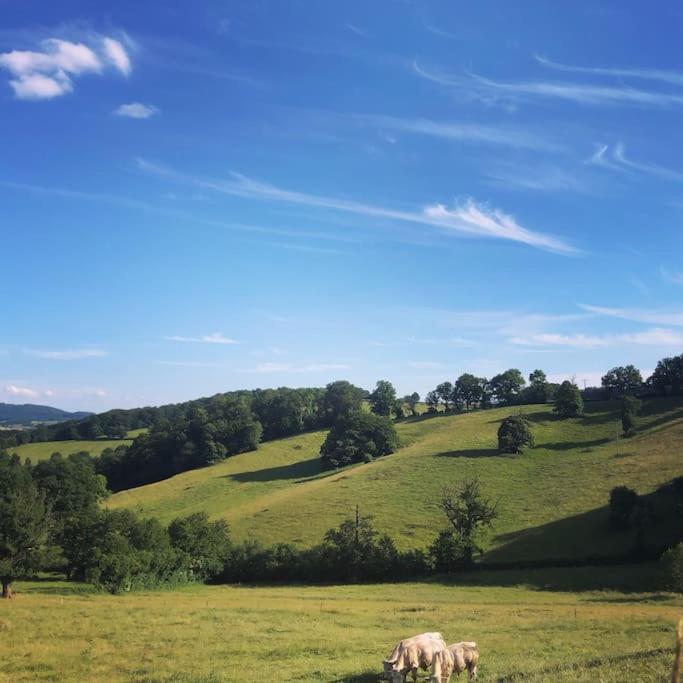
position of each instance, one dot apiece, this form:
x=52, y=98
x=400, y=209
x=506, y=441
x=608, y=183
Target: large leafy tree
x=358, y=437
x=622, y=381
x=445, y=393
x=432, y=401
x=71, y=486
x=507, y=386
x=202, y=546
x=383, y=398
x=568, y=401
x=539, y=388
x=668, y=375
x=514, y=435
x=24, y=522
x=341, y=398
x=467, y=390
x=412, y=400
x=469, y=513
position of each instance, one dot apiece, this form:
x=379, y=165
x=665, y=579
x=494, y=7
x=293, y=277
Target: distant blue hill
x=27, y=413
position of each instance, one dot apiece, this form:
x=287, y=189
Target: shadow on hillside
x=297, y=470
x=661, y=420
x=571, y=445
x=425, y=416
x=582, y=535
x=474, y=453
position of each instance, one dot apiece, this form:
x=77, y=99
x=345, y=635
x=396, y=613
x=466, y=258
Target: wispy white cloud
x=136, y=204
x=117, y=55
x=14, y=390
x=49, y=71
x=476, y=219
x=651, y=337
x=672, y=77
x=424, y=364
x=506, y=136
x=674, y=277
x=136, y=110
x=585, y=94
x=466, y=218
x=602, y=157
x=214, y=338
x=68, y=354
x=191, y=364
x=647, y=316
x=575, y=340
x=266, y=368
x=538, y=178
x=620, y=157
x=357, y=30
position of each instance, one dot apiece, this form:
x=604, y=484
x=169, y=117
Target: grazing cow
x=465, y=658
x=412, y=654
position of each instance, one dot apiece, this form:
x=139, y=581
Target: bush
x=568, y=401
x=201, y=546
x=514, y=434
x=622, y=504
x=446, y=552
x=671, y=564
x=629, y=409
x=357, y=437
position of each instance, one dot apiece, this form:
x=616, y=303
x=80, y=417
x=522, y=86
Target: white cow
x=455, y=659
x=411, y=654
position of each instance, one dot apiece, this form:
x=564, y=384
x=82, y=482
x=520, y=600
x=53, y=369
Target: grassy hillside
x=551, y=500
x=42, y=451
x=337, y=634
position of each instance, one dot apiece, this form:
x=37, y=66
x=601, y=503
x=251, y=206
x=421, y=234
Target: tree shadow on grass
x=473, y=453
x=297, y=470
x=571, y=445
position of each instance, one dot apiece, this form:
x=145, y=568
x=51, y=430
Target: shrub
x=671, y=564
x=622, y=504
x=629, y=409
x=201, y=546
x=514, y=434
x=446, y=552
x=355, y=437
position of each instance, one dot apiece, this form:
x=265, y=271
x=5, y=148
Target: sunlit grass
x=329, y=634
x=42, y=451
x=279, y=493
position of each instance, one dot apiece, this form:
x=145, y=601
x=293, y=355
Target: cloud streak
x=466, y=218
x=136, y=110
x=664, y=76
x=578, y=93
x=267, y=368
x=214, y=338
x=506, y=136
x=652, y=337
x=68, y=354
x=651, y=317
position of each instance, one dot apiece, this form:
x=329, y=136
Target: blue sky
x=268, y=193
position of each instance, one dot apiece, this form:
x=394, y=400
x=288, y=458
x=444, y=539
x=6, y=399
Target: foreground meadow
x=538, y=631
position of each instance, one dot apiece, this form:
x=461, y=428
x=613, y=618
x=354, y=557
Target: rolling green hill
x=43, y=450
x=551, y=500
